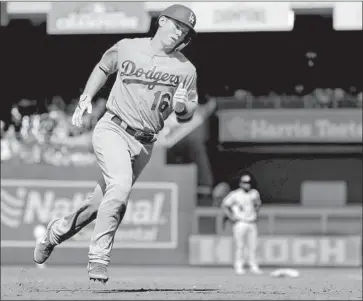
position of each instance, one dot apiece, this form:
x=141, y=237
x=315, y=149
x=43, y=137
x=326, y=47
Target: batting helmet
x=182, y=14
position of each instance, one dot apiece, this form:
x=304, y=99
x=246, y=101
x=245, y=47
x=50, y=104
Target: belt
x=246, y=222
x=123, y=125
x=142, y=136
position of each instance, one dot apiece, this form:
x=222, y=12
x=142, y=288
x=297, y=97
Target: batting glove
x=83, y=105
x=180, y=98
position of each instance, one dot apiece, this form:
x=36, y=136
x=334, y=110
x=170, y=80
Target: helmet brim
x=192, y=31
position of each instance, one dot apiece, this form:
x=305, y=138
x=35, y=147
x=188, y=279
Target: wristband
x=83, y=99
x=181, y=120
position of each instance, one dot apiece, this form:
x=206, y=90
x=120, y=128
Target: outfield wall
x=155, y=230
x=162, y=226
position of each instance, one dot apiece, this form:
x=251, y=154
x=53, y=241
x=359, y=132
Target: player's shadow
x=145, y=290
x=139, y=290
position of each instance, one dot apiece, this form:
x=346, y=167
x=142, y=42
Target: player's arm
x=226, y=206
x=257, y=202
x=106, y=66
x=191, y=102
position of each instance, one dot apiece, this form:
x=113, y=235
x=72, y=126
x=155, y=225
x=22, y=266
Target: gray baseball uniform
x=243, y=206
x=142, y=96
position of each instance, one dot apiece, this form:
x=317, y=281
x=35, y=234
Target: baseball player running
x=153, y=80
x=241, y=207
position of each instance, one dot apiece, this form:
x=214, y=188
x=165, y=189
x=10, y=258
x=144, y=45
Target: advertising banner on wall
x=347, y=15
x=303, y=126
x=4, y=19
x=154, y=230
x=280, y=250
x=150, y=221
x=98, y=18
x=243, y=16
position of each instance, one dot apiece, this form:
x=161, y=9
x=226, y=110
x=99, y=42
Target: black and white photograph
x=181, y=150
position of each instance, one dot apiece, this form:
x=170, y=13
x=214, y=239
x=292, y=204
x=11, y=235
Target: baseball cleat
x=97, y=272
x=44, y=247
x=256, y=270
x=239, y=271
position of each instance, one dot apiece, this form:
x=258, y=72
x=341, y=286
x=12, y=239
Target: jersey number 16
x=163, y=100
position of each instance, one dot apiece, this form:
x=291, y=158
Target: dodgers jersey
x=244, y=203
x=142, y=94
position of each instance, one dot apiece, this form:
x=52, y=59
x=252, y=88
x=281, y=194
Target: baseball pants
x=245, y=237
x=122, y=159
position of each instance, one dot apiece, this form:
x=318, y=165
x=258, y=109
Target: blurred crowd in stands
x=319, y=98
x=49, y=137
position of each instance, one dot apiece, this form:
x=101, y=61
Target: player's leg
x=138, y=164
x=239, y=230
x=62, y=229
x=252, y=239
x=141, y=160
x=114, y=158
x=120, y=176
x=66, y=227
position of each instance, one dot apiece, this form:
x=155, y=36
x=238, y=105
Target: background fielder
x=153, y=80
x=241, y=207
